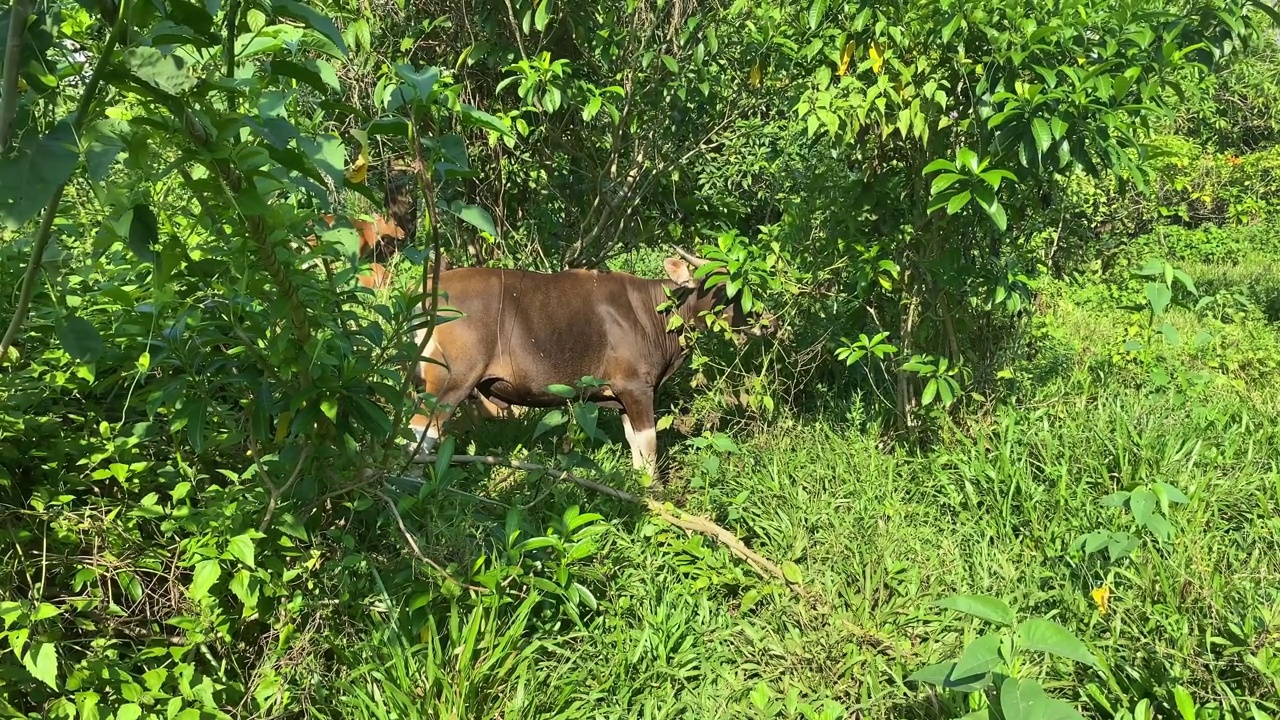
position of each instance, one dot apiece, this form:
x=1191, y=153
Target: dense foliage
x=1014, y=438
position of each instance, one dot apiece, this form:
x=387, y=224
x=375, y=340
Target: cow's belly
x=510, y=393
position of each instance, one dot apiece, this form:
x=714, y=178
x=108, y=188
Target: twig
x=51, y=210
x=413, y=545
x=275, y=491
x=689, y=523
x=18, y=17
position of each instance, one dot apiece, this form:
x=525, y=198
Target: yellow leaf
x=22, y=85
x=359, y=170
x=877, y=57
x=755, y=75
x=282, y=426
x=1101, y=597
x=846, y=56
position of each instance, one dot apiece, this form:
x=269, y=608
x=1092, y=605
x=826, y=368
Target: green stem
x=78, y=121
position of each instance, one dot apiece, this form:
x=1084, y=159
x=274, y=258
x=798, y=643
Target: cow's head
x=681, y=271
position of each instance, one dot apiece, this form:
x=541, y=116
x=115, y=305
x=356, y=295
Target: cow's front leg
x=640, y=428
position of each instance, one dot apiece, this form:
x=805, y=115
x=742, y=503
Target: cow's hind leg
x=450, y=386
x=641, y=430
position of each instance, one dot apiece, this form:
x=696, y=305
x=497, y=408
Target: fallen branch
x=413, y=545
x=689, y=523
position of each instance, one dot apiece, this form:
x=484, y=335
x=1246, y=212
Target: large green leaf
x=240, y=547
x=205, y=575
x=79, y=338
x=980, y=606
x=312, y=19
x=144, y=232
x=980, y=657
x=42, y=663
x=30, y=177
x=167, y=73
x=1159, y=296
x=1042, y=133
x=1141, y=503
x=1050, y=637
x=480, y=118
x=327, y=153
x=473, y=215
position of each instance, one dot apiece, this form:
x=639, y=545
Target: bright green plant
x=996, y=666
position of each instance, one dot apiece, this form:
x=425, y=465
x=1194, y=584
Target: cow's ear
x=680, y=272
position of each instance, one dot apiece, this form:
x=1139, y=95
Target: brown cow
x=380, y=239
x=520, y=332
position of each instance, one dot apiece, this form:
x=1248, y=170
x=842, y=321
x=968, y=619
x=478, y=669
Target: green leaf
x=42, y=663
x=980, y=606
x=980, y=657
x=930, y=390
x=817, y=10
x=1022, y=699
x=107, y=139
x=1152, y=268
x=79, y=338
x=44, y=611
x=671, y=64
x=144, y=232
x=791, y=572
x=933, y=674
x=1042, y=134
x=1159, y=525
x=944, y=181
x=30, y=177
x=328, y=155
x=587, y=415
x=958, y=201
x=543, y=15
x=1141, y=503
x=311, y=18
x=240, y=547
x=129, y=711
x=1050, y=637
x=937, y=165
x=205, y=575
x=996, y=212
x=166, y=73
x=1173, y=493
x=563, y=391
x=1158, y=296
x=549, y=422
x=480, y=118
x=417, y=85
x=1185, y=704
x=473, y=215
x=967, y=158
x=1116, y=499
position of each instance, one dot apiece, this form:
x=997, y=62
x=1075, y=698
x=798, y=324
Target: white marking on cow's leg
x=425, y=435
x=633, y=440
x=647, y=445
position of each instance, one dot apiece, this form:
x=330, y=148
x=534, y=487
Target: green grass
x=683, y=629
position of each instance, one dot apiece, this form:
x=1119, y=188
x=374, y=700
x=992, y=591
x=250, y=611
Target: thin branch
x=18, y=18
x=78, y=122
x=275, y=491
x=689, y=523
x=413, y=545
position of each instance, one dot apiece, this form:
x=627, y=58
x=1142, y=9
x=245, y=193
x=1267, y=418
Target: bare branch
x=417, y=551
x=689, y=523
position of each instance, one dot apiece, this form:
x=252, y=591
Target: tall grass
x=994, y=507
